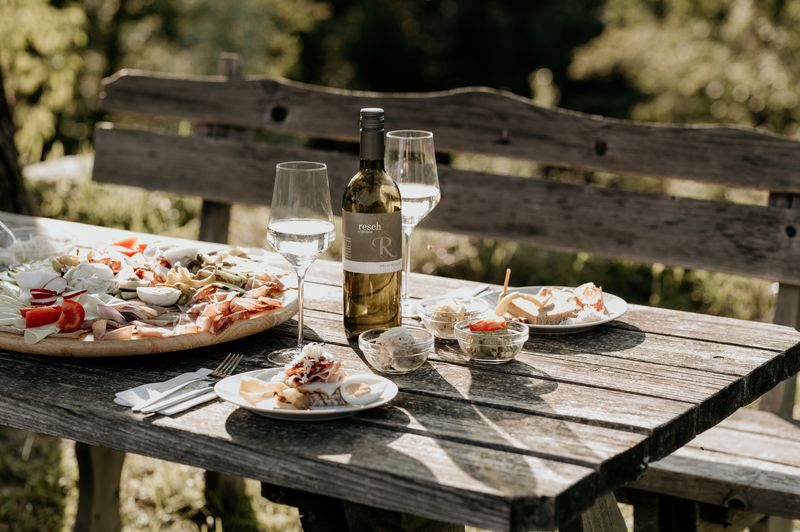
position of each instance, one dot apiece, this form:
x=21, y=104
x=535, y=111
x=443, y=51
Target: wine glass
x=300, y=227
x=410, y=159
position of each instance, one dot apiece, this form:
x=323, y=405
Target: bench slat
x=476, y=120
x=741, y=239
x=726, y=465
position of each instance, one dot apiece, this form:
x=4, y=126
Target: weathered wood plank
x=360, y=463
x=718, y=478
x=742, y=239
x=756, y=422
x=472, y=120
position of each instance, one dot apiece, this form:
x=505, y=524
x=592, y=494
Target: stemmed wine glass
x=411, y=160
x=300, y=227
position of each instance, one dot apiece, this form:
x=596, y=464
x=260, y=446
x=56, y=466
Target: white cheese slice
x=37, y=334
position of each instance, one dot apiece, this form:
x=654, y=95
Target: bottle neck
x=371, y=157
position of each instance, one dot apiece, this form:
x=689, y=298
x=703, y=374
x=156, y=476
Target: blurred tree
x=422, y=45
x=13, y=196
x=731, y=61
x=40, y=54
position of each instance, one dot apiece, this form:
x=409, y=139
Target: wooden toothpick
x=505, y=285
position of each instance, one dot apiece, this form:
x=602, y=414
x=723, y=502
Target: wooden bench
x=751, y=462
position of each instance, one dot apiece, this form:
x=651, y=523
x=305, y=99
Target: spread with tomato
x=490, y=339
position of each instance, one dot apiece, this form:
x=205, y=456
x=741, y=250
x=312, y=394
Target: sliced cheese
x=37, y=334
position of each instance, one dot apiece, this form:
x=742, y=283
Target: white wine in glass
x=300, y=228
x=411, y=161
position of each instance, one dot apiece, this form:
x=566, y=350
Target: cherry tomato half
x=36, y=317
x=72, y=316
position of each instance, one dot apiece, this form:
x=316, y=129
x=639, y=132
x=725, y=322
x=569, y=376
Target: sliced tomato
x=72, y=316
x=488, y=326
x=36, y=317
x=24, y=310
x=129, y=242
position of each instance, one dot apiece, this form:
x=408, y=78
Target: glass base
x=409, y=308
x=282, y=357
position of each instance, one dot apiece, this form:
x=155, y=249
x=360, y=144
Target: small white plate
x=616, y=307
x=228, y=390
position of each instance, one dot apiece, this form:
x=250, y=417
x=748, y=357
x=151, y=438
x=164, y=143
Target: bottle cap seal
x=371, y=119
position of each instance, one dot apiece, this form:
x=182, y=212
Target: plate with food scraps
x=558, y=309
x=312, y=387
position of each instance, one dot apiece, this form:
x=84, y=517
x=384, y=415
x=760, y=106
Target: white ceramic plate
x=228, y=390
x=616, y=307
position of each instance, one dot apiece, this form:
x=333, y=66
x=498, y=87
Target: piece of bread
x=559, y=312
x=504, y=303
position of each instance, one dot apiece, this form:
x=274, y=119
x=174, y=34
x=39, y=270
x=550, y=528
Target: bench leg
x=602, y=516
x=99, y=471
x=317, y=513
x=223, y=492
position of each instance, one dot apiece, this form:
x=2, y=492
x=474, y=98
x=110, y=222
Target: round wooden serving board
x=80, y=348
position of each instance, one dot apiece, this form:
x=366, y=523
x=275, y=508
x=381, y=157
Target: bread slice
x=504, y=304
x=559, y=312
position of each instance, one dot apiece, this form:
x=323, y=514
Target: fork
x=225, y=369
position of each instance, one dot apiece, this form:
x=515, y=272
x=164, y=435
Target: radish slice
x=73, y=294
x=35, y=278
x=43, y=302
x=42, y=292
x=57, y=285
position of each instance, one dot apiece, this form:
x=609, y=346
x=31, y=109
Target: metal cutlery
x=224, y=369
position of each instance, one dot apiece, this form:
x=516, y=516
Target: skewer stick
x=505, y=285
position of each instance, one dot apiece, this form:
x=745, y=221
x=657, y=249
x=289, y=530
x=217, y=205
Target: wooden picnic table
x=528, y=444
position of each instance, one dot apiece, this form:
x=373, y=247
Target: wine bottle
x=372, y=228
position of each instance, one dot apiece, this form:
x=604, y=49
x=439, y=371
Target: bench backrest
x=226, y=164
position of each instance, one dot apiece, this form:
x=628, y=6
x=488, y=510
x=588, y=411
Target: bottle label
x=372, y=242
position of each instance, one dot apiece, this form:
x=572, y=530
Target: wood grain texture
x=742, y=239
x=352, y=461
x=524, y=445
x=69, y=347
x=742, y=462
x=478, y=119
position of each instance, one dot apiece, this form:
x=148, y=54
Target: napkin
x=144, y=392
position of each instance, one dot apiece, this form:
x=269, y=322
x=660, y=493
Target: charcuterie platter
x=138, y=298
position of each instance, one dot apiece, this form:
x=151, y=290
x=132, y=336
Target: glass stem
x=407, y=229
x=301, y=282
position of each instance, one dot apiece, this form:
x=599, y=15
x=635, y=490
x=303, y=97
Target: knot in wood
x=600, y=147
x=504, y=137
x=736, y=502
x=278, y=113
x=791, y=231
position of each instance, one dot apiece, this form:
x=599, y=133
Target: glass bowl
x=27, y=244
x=491, y=347
x=400, y=359
x=440, y=314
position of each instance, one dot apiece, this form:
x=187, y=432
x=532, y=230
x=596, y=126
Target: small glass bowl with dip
x=397, y=350
x=487, y=342
x=440, y=314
